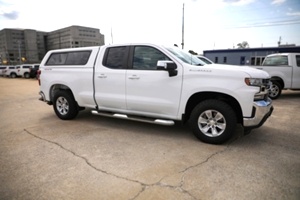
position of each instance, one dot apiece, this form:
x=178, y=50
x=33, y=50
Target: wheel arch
x=12, y=73
x=278, y=80
x=57, y=87
x=196, y=98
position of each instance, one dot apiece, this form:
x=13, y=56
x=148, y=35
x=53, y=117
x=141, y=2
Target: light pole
x=19, y=47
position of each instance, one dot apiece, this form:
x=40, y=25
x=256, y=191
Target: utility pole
x=182, y=43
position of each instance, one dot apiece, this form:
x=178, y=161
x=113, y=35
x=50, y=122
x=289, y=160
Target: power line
x=278, y=23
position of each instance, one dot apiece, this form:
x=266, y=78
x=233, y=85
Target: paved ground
x=93, y=157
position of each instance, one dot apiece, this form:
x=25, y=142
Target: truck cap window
x=69, y=58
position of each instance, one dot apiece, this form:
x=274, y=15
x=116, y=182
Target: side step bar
x=135, y=118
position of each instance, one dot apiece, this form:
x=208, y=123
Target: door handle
x=134, y=77
x=102, y=76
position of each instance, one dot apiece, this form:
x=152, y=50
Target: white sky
x=208, y=24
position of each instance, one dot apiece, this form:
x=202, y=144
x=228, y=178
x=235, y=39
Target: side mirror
x=167, y=65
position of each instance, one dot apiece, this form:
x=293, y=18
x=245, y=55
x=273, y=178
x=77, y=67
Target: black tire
x=13, y=75
x=65, y=105
x=26, y=75
x=275, y=90
x=218, y=121
x=247, y=131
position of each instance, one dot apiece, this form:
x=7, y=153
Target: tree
x=243, y=45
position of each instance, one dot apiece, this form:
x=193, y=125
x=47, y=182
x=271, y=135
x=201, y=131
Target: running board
x=135, y=118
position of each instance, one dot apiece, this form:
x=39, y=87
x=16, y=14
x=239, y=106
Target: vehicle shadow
x=290, y=94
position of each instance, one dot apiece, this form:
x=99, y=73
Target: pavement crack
x=86, y=160
x=196, y=165
x=143, y=185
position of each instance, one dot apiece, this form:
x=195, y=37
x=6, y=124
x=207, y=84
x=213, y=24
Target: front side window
x=145, y=58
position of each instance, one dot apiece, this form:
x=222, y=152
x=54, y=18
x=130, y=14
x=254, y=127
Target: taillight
x=38, y=76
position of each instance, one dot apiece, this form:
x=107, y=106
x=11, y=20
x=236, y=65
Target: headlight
x=254, y=81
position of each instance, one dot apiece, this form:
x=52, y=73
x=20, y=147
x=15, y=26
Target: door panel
x=148, y=90
x=296, y=73
x=110, y=79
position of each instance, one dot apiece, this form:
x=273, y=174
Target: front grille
x=264, y=90
x=267, y=83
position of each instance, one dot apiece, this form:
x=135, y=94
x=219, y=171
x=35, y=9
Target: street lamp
x=19, y=48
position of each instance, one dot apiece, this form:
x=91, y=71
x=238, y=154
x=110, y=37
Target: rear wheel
x=275, y=90
x=65, y=105
x=213, y=121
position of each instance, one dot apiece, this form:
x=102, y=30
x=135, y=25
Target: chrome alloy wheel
x=62, y=105
x=274, y=90
x=212, y=123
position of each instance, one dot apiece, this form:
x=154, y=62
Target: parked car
x=11, y=71
x=155, y=84
x=2, y=70
x=204, y=59
x=23, y=70
x=284, y=69
x=33, y=71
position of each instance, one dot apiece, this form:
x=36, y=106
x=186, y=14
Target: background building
x=29, y=46
x=247, y=56
x=20, y=46
x=74, y=36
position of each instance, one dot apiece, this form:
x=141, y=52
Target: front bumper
x=262, y=110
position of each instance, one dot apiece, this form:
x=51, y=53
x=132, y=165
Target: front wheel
x=65, y=105
x=13, y=75
x=213, y=121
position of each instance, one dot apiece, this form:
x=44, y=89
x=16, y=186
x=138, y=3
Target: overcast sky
x=208, y=24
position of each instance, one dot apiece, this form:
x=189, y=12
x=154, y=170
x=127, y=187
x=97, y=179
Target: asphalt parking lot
x=93, y=157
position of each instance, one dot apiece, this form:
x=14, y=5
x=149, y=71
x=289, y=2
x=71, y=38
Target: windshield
x=205, y=60
x=185, y=56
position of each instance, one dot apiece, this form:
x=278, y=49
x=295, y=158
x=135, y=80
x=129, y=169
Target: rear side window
x=115, y=58
x=69, y=58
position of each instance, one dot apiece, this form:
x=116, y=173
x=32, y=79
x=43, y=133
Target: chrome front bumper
x=262, y=111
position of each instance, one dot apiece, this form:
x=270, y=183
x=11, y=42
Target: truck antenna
x=182, y=43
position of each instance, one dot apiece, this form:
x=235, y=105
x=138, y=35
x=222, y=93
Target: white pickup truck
x=284, y=69
x=155, y=84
